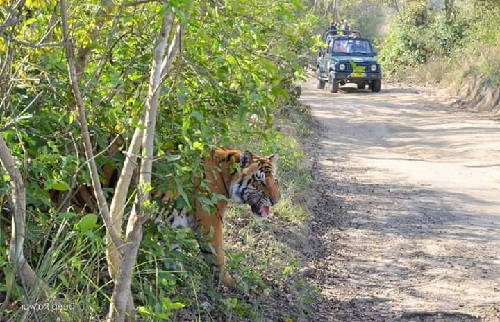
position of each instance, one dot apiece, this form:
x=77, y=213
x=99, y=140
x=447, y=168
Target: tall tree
x=122, y=254
x=449, y=7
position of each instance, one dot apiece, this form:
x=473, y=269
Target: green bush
x=239, y=66
x=422, y=41
x=419, y=35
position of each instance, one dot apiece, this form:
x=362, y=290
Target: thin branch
x=13, y=17
x=38, y=45
x=121, y=300
x=20, y=115
x=8, y=85
x=16, y=248
x=96, y=184
x=111, y=42
x=70, y=194
x=173, y=50
x=139, y=2
x=84, y=52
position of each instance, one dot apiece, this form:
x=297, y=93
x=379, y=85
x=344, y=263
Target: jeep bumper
x=353, y=78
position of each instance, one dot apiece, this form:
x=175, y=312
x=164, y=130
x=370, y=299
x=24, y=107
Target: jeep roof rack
x=341, y=34
x=350, y=33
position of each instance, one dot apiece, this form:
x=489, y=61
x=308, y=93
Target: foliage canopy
x=237, y=67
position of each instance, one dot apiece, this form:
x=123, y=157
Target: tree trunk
x=448, y=7
x=89, y=154
x=335, y=13
x=16, y=257
x=395, y=4
x=121, y=306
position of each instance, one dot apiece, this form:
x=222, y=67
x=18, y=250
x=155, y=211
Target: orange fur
x=218, y=169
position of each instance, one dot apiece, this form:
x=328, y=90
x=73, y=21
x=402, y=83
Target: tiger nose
x=275, y=200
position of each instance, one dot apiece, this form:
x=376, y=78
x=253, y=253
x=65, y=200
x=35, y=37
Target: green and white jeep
x=348, y=59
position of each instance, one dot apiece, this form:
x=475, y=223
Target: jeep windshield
x=352, y=47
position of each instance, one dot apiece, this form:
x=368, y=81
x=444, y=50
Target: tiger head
x=256, y=184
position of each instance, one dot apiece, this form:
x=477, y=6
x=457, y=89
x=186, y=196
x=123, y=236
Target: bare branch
x=17, y=184
x=37, y=45
x=138, y=2
x=12, y=18
x=121, y=298
x=96, y=184
x=16, y=247
x=119, y=198
x=20, y=115
x=173, y=51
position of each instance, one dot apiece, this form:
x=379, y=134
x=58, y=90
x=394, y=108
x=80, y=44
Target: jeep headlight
x=374, y=67
x=341, y=66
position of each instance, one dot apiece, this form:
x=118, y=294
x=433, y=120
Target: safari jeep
x=349, y=60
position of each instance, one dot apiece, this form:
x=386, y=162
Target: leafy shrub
x=419, y=35
x=435, y=47
x=240, y=64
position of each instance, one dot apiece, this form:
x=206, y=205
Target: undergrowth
x=426, y=46
x=263, y=256
x=266, y=255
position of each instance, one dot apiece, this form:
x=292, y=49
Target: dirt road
x=407, y=221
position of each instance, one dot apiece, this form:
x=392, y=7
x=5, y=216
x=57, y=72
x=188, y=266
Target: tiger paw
x=226, y=280
x=224, y=277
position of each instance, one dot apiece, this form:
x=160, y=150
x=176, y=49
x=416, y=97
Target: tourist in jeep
x=345, y=27
x=332, y=30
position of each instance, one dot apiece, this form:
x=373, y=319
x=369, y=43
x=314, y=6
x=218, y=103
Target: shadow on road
x=388, y=248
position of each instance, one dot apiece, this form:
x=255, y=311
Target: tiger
x=241, y=177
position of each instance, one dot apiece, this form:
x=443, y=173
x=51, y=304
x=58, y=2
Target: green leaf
x=279, y=91
x=183, y=194
x=198, y=146
x=297, y=4
x=142, y=310
x=287, y=271
x=89, y=221
x=169, y=305
x=64, y=280
x=59, y=186
x=67, y=215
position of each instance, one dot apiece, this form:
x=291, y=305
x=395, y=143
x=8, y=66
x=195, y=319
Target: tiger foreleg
x=212, y=229
x=220, y=262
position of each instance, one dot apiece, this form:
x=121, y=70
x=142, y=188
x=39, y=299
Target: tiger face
x=256, y=184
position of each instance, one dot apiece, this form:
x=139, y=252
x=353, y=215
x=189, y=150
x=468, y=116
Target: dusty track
x=406, y=225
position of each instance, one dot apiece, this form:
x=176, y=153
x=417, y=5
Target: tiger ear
x=245, y=159
x=273, y=158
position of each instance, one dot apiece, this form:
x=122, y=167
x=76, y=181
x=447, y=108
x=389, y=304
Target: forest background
x=84, y=83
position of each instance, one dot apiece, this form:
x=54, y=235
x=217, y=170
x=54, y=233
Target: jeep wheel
x=321, y=83
x=334, y=85
x=361, y=86
x=376, y=85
